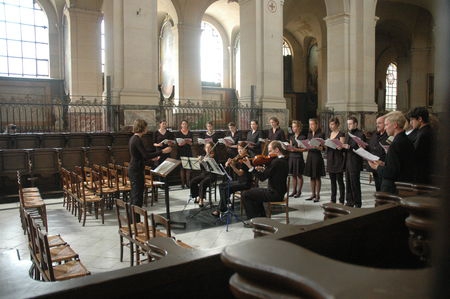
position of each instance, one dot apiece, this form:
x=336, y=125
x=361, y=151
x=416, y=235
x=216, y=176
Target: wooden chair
x=87, y=201
x=284, y=202
x=142, y=233
x=68, y=270
x=125, y=228
x=151, y=185
x=33, y=203
x=156, y=220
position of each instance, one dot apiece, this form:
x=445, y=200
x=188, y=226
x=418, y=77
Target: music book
x=166, y=167
x=366, y=155
x=358, y=140
x=333, y=143
x=204, y=140
x=263, y=139
x=315, y=142
x=304, y=144
x=183, y=140
x=168, y=141
x=226, y=140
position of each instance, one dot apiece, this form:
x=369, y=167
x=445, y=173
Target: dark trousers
x=337, y=178
x=137, y=182
x=199, y=184
x=377, y=180
x=353, y=184
x=226, y=189
x=254, y=198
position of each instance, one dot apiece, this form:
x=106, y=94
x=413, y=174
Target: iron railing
x=62, y=115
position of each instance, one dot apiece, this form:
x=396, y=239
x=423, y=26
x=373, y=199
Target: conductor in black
x=276, y=171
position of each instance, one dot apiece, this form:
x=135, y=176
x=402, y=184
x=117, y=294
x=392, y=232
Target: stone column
x=261, y=25
x=187, y=51
x=83, y=59
x=420, y=64
x=351, y=56
x=132, y=51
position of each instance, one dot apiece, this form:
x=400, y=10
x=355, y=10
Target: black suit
x=277, y=172
x=423, y=145
x=375, y=148
x=399, y=165
x=353, y=167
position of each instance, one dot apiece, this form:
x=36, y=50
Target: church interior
x=72, y=86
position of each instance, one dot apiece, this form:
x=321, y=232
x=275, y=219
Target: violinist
x=276, y=171
x=243, y=181
x=200, y=183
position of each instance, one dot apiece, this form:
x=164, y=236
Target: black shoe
x=311, y=198
x=200, y=205
x=317, y=199
x=247, y=224
x=298, y=195
x=349, y=204
x=292, y=194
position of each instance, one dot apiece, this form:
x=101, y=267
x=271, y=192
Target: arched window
x=24, y=49
x=286, y=48
x=287, y=66
x=391, y=87
x=211, y=55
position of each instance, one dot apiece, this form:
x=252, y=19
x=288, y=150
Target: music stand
x=211, y=166
x=162, y=171
x=229, y=213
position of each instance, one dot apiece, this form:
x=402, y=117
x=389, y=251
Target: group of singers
x=244, y=172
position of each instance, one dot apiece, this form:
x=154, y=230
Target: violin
x=239, y=158
x=260, y=160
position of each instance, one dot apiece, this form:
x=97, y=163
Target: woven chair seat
x=70, y=270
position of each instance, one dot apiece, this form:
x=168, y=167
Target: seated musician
x=276, y=171
x=200, y=183
x=243, y=181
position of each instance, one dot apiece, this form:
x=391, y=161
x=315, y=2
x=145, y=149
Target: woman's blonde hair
x=139, y=126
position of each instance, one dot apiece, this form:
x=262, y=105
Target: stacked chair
x=31, y=201
x=52, y=258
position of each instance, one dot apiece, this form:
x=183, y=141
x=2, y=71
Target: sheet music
x=164, y=167
x=304, y=144
x=366, y=155
x=333, y=143
x=182, y=140
x=385, y=147
x=213, y=167
x=195, y=163
x=358, y=140
x=185, y=163
x=315, y=142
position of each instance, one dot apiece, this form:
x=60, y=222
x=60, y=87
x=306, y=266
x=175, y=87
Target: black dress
x=315, y=167
x=296, y=161
x=335, y=157
x=254, y=138
x=277, y=135
x=232, y=151
x=186, y=149
x=158, y=137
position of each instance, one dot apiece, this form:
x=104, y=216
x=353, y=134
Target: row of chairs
x=136, y=232
x=52, y=258
x=79, y=198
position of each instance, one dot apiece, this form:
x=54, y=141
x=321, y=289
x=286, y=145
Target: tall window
x=24, y=50
x=286, y=49
x=391, y=87
x=211, y=55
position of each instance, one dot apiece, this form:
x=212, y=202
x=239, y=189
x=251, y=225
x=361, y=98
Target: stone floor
x=98, y=244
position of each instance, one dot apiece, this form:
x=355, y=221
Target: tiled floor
x=98, y=244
